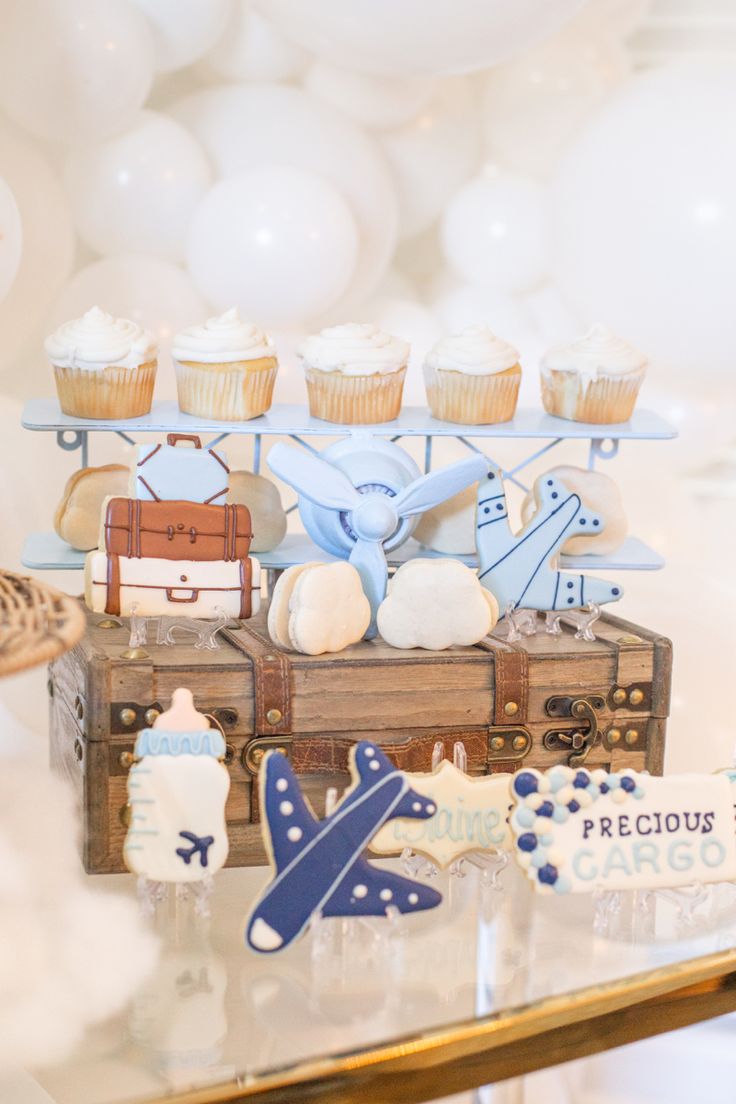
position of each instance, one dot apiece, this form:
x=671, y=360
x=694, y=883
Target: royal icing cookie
x=598, y=494
x=471, y=814
x=318, y=865
x=518, y=567
x=435, y=604
x=318, y=608
x=577, y=830
x=177, y=790
x=263, y=500
x=450, y=527
x=77, y=517
x=176, y=471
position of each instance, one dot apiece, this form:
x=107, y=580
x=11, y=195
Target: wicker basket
x=37, y=623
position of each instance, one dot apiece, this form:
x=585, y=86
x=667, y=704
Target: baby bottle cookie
x=177, y=790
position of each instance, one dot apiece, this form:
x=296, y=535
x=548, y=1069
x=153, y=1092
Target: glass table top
x=214, y=1013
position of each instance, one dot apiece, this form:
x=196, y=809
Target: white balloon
x=252, y=48
x=74, y=70
x=472, y=305
x=643, y=216
x=280, y=243
x=153, y=292
x=246, y=127
x=183, y=30
x=534, y=104
x=11, y=236
x=493, y=232
x=432, y=155
x=136, y=192
x=369, y=101
x=47, y=244
x=414, y=38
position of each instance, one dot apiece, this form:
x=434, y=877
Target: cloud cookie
x=263, y=500
x=318, y=607
x=435, y=604
x=598, y=494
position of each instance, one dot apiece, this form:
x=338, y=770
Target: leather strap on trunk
x=329, y=754
x=271, y=681
x=511, y=694
x=112, y=602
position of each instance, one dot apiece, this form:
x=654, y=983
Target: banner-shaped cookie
x=471, y=814
x=576, y=830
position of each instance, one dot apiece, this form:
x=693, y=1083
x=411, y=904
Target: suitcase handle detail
x=194, y=595
x=174, y=438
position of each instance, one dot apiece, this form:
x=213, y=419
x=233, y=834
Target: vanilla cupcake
x=225, y=369
x=355, y=374
x=472, y=378
x=595, y=378
x=104, y=367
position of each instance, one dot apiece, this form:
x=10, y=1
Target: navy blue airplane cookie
x=319, y=864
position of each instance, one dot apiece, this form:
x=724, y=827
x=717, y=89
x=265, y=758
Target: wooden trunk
x=538, y=702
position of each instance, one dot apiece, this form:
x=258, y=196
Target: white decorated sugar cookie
x=450, y=527
x=470, y=815
x=177, y=790
x=575, y=831
x=263, y=500
x=599, y=494
x=435, y=604
x=318, y=608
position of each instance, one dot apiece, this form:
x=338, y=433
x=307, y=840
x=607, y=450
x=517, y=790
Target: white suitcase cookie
x=181, y=588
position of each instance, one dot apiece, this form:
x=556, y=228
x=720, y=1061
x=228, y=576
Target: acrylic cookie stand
x=170, y=631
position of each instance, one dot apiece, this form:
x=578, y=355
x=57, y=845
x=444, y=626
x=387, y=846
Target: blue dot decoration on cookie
x=525, y=783
x=527, y=841
x=499, y=505
x=548, y=874
x=570, y=585
x=486, y=509
x=596, y=521
x=615, y=590
x=531, y=805
x=491, y=475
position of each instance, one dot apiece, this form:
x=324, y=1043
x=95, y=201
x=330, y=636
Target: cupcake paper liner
x=472, y=400
x=106, y=393
x=358, y=400
x=234, y=392
x=607, y=400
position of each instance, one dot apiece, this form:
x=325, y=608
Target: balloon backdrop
x=432, y=155
x=47, y=241
x=534, y=104
x=11, y=234
x=416, y=38
x=74, y=70
x=370, y=101
x=493, y=231
x=246, y=127
x=183, y=30
x=137, y=191
x=643, y=216
x=251, y=48
x=280, y=243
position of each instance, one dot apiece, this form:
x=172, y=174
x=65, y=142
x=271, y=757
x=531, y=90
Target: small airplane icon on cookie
x=319, y=864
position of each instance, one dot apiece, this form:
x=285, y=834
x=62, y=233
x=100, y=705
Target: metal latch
x=508, y=744
x=254, y=750
x=578, y=740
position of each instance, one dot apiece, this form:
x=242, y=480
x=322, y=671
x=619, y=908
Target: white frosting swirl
x=221, y=340
x=597, y=353
x=355, y=349
x=97, y=340
x=475, y=351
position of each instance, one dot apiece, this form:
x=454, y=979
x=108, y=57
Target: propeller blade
x=431, y=489
x=313, y=478
x=369, y=559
